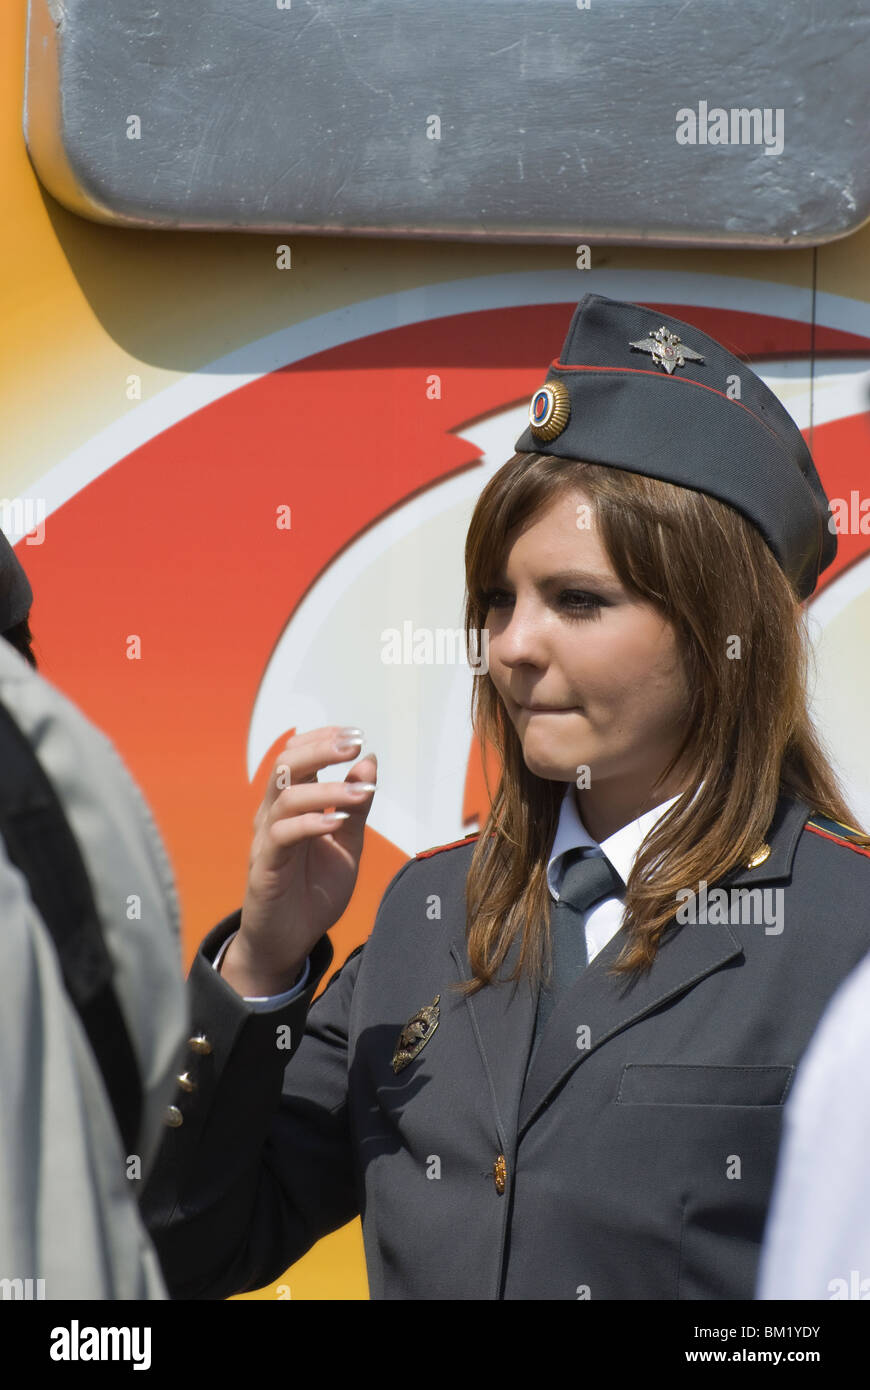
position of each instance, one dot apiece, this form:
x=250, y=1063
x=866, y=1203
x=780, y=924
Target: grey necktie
x=588, y=876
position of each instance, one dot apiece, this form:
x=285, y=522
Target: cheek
x=613, y=652
x=660, y=684
x=634, y=664
x=495, y=669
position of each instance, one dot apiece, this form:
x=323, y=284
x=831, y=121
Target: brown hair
x=748, y=735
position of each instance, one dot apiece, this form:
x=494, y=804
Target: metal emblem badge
x=550, y=410
x=667, y=350
x=415, y=1034
x=762, y=853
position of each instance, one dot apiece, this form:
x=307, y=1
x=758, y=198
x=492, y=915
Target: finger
x=325, y=749
x=305, y=754
x=366, y=770
x=359, y=786
x=281, y=838
x=351, y=796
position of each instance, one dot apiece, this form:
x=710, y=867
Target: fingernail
x=362, y=788
x=335, y=815
x=348, y=739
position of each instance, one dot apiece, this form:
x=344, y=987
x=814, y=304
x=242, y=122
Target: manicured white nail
x=348, y=739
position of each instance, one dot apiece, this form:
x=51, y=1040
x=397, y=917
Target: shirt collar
x=621, y=848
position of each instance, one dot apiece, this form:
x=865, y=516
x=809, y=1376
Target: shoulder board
x=427, y=853
x=836, y=831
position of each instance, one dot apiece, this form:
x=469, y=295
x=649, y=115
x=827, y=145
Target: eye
x=580, y=605
x=492, y=598
x=576, y=603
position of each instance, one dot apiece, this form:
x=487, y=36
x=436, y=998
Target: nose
x=518, y=634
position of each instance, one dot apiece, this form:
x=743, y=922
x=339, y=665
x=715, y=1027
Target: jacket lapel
x=503, y=1015
x=502, y=1018
x=602, y=1004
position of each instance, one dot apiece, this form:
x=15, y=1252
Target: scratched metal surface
x=556, y=123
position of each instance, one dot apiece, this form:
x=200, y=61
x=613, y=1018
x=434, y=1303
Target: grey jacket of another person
x=634, y=1161
x=69, y=1213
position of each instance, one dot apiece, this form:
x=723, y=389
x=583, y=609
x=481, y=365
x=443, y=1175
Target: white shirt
x=621, y=848
x=601, y=923
x=817, y=1238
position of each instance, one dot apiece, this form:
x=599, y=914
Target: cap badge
x=667, y=350
x=550, y=410
x=415, y=1034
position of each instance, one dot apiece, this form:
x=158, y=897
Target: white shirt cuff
x=266, y=1001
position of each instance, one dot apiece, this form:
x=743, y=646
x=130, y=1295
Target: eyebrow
x=568, y=577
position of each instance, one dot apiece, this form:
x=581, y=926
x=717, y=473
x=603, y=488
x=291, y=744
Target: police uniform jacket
x=633, y=1160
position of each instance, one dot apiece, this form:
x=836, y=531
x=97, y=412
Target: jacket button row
x=499, y=1174
x=199, y=1043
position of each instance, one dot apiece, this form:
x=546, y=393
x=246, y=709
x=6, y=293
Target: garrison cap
x=638, y=390
x=16, y=595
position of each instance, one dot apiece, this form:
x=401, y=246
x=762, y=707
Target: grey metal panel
x=557, y=123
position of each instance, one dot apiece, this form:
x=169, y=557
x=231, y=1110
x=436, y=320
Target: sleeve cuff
x=267, y=1001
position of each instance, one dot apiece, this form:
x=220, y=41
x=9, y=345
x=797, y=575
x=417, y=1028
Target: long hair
x=748, y=734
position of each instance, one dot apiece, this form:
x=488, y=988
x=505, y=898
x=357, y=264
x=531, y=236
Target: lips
x=547, y=709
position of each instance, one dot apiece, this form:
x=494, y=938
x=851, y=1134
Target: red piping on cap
x=683, y=381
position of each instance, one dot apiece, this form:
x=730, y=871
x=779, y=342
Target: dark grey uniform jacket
x=638, y=1155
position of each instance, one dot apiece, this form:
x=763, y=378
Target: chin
x=551, y=766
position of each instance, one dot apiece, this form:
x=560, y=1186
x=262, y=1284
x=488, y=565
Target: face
x=590, y=675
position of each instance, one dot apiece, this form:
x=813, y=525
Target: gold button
x=172, y=1116
x=762, y=853
x=186, y=1082
x=499, y=1173
x=200, y=1044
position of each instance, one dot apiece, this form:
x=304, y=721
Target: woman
x=552, y=1073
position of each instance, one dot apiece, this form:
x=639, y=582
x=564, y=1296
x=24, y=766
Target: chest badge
x=415, y=1034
